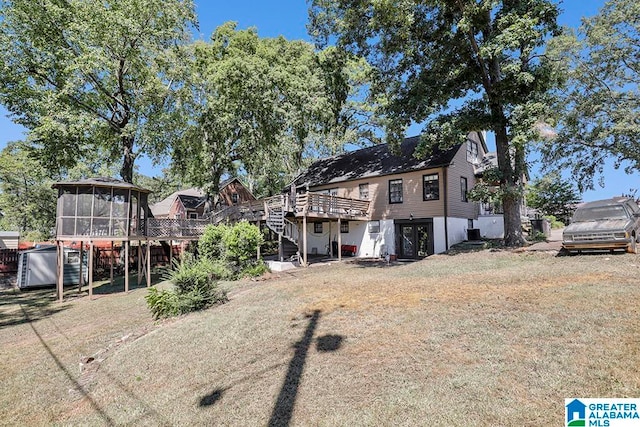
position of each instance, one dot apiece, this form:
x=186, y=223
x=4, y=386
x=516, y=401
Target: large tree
x=552, y=195
x=82, y=75
x=26, y=198
x=600, y=103
x=259, y=106
x=458, y=66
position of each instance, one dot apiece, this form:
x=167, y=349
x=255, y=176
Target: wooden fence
x=159, y=256
x=8, y=260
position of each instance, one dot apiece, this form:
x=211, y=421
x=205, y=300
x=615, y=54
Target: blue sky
x=289, y=18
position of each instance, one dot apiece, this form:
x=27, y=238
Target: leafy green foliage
x=26, y=198
x=241, y=244
x=553, y=196
x=161, y=186
x=483, y=56
x=599, y=105
x=163, y=303
x=261, y=105
x=537, y=236
x=233, y=249
x=211, y=244
x=553, y=221
x=87, y=76
x=195, y=288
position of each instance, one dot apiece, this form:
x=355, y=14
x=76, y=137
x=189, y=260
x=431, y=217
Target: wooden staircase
x=275, y=210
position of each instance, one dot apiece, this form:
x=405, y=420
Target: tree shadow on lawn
x=377, y=263
x=18, y=307
x=592, y=252
x=285, y=403
x=106, y=287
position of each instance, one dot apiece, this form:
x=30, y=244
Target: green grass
x=484, y=338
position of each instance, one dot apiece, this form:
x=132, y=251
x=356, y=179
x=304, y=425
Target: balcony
x=318, y=205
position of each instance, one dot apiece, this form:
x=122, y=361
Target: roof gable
x=377, y=160
x=191, y=202
x=164, y=206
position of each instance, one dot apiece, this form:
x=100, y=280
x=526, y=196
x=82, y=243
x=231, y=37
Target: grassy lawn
x=486, y=338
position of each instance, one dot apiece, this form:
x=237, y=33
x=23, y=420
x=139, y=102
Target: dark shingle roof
x=372, y=161
x=100, y=181
x=191, y=202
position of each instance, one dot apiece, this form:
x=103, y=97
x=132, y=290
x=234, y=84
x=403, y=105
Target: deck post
x=90, y=269
x=111, y=259
x=140, y=264
x=126, y=266
x=339, y=241
x=148, y=264
x=304, y=240
x=330, y=242
x=60, y=267
x=280, y=248
x=81, y=279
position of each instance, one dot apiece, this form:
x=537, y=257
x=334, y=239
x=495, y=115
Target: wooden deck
x=309, y=205
x=317, y=205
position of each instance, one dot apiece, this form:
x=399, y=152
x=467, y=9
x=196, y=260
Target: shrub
x=196, y=288
x=241, y=243
x=554, y=222
x=537, y=236
x=162, y=303
x=257, y=269
x=232, y=250
x=211, y=244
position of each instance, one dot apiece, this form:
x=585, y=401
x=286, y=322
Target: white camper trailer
x=37, y=267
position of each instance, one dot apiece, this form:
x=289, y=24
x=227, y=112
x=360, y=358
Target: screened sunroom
x=102, y=208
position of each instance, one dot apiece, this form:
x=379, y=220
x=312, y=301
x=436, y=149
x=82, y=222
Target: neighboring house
x=9, y=239
x=418, y=207
x=190, y=203
x=491, y=214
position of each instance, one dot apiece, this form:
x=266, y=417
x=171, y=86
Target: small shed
x=9, y=239
x=38, y=267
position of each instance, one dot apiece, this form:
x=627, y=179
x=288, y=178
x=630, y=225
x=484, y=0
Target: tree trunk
x=212, y=190
x=510, y=186
x=128, y=159
x=511, y=204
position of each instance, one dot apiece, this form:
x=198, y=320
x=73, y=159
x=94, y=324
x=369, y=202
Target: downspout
x=446, y=208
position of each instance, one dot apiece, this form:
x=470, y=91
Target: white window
x=430, y=187
x=472, y=152
x=395, y=191
x=463, y=189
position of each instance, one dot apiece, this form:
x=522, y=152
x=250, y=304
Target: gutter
x=446, y=210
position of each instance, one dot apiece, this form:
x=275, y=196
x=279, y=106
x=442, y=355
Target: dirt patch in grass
x=481, y=338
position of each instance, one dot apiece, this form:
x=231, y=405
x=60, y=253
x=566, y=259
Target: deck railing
x=166, y=227
x=312, y=204
x=326, y=204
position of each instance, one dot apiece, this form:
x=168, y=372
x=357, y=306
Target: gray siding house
x=418, y=207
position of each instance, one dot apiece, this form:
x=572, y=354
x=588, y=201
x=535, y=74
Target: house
x=9, y=239
x=417, y=207
x=190, y=203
